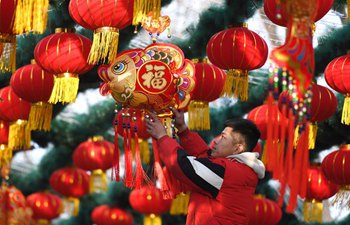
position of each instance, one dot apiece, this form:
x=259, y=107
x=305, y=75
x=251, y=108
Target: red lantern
x=45, y=206
x=277, y=14
x=7, y=37
x=98, y=16
x=64, y=54
x=104, y=215
x=35, y=85
x=337, y=75
x=5, y=152
x=210, y=81
x=15, y=110
x=336, y=168
x=238, y=50
x=149, y=200
x=73, y=183
x=264, y=212
x=13, y=207
x=95, y=155
x=318, y=189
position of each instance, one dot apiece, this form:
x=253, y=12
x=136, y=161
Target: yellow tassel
x=342, y=198
x=313, y=211
x=19, y=135
x=144, y=151
x=43, y=222
x=65, y=88
x=143, y=7
x=345, y=119
x=40, y=116
x=98, y=182
x=348, y=2
x=5, y=161
x=31, y=15
x=104, y=46
x=312, y=135
x=198, y=115
x=263, y=157
x=228, y=83
x=179, y=205
x=152, y=219
x=71, y=206
x=296, y=136
x=240, y=84
x=8, y=53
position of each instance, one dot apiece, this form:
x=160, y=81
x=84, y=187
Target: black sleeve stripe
x=199, y=174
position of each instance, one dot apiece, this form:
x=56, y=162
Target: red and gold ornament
x=105, y=215
x=264, y=212
x=45, y=207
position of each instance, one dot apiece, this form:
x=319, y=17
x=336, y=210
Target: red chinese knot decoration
x=97, y=16
x=237, y=50
x=105, y=215
x=35, y=85
x=64, y=54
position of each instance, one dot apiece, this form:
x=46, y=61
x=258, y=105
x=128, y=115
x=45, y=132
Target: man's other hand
x=154, y=126
x=179, y=119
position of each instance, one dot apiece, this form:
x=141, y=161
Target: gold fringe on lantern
x=104, y=46
x=43, y=222
x=19, y=135
x=152, y=219
x=342, y=198
x=5, y=161
x=239, y=80
x=65, y=88
x=313, y=211
x=345, y=118
x=198, y=115
x=71, y=206
x=8, y=53
x=40, y=116
x=144, y=150
x=143, y=7
x=98, y=182
x=179, y=205
x=31, y=15
x=312, y=135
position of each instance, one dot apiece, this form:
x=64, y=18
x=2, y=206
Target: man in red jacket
x=222, y=180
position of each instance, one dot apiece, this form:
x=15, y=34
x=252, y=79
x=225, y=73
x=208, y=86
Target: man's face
x=229, y=143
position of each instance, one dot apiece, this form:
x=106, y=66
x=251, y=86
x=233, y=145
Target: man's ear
x=240, y=148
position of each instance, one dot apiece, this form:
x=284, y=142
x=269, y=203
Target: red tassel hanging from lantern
x=5, y=152
x=97, y=16
x=237, y=50
x=64, y=54
x=35, y=85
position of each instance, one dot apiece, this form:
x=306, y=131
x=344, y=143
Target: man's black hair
x=247, y=129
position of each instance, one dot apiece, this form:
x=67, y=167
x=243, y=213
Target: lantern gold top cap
x=345, y=146
x=32, y=61
x=238, y=24
x=200, y=60
x=96, y=138
x=64, y=30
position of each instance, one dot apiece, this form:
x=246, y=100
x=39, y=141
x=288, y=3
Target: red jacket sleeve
x=193, y=144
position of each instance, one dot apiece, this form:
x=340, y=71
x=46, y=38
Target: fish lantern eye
x=119, y=68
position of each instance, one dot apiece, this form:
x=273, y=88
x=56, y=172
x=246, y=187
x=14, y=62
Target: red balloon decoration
x=210, y=82
x=13, y=207
x=104, y=215
x=35, y=85
x=45, y=206
x=97, y=16
x=238, y=50
x=64, y=54
x=264, y=212
x=337, y=75
x=15, y=110
x=149, y=200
